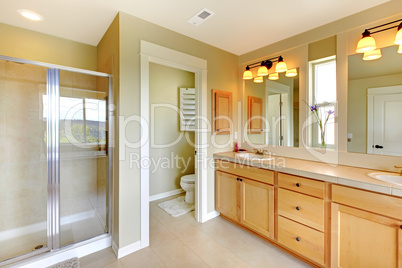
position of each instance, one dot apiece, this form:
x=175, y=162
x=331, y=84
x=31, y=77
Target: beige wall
x=295, y=51
x=108, y=61
x=30, y=45
x=222, y=74
x=164, y=88
x=357, y=107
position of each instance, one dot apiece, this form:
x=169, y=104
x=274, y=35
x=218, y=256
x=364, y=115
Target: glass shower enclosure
x=55, y=160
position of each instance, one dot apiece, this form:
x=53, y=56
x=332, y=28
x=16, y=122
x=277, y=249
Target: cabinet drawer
x=258, y=174
x=301, y=208
x=378, y=203
x=301, y=239
x=301, y=185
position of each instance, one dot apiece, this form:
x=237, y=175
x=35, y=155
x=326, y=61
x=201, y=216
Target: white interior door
x=386, y=123
x=284, y=113
x=273, y=115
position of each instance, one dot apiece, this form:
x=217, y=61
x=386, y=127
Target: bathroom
x=172, y=149
x=119, y=52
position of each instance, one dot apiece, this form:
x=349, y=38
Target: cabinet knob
x=297, y=208
x=298, y=184
x=297, y=239
x=400, y=226
x=241, y=179
x=238, y=179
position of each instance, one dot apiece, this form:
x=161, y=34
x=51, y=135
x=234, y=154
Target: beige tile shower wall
x=165, y=170
x=23, y=167
x=23, y=177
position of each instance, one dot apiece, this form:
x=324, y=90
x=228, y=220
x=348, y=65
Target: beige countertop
x=344, y=175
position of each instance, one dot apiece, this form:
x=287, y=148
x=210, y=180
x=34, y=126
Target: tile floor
x=183, y=242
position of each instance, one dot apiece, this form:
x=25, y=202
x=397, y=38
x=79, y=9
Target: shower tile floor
x=74, y=228
x=183, y=242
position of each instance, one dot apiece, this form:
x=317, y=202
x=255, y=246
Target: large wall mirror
x=375, y=104
x=272, y=108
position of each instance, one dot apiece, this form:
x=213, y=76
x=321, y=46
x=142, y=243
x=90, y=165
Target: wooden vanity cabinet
x=301, y=216
x=366, y=229
x=247, y=201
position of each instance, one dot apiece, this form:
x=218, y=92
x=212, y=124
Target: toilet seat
x=190, y=179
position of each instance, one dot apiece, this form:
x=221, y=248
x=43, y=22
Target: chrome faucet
x=260, y=152
x=400, y=168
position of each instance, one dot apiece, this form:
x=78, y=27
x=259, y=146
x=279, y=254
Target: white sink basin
x=252, y=156
x=387, y=177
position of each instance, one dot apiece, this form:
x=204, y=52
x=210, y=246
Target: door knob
x=378, y=147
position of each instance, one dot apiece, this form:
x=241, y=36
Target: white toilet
x=187, y=182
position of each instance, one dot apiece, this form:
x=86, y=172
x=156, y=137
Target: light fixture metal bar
x=257, y=64
x=385, y=29
x=385, y=24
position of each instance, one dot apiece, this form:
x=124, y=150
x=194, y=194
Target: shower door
x=54, y=157
x=23, y=160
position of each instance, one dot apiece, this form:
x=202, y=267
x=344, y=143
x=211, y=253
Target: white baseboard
x=127, y=250
x=166, y=194
x=212, y=215
x=79, y=251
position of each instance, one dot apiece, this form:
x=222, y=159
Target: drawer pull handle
x=297, y=239
x=298, y=184
x=297, y=208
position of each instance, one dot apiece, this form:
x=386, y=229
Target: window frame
x=314, y=135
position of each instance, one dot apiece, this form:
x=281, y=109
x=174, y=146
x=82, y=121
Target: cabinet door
x=364, y=239
x=227, y=190
x=257, y=207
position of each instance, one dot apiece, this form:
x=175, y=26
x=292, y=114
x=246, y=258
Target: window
x=323, y=94
x=82, y=120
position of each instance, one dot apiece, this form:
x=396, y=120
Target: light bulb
x=247, y=75
x=274, y=76
x=258, y=79
x=367, y=43
x=372, y=55
x=281, y=66
x=291, y=73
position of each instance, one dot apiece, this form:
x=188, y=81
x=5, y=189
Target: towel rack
x=187, y=109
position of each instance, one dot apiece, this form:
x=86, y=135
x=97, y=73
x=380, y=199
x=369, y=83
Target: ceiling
x=238, y=26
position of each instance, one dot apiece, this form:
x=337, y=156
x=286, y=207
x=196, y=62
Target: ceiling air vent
x=201, y=16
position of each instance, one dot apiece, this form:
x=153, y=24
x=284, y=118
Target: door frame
x=152, y=53
x=371, y=93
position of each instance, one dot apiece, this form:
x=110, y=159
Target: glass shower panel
x=23, y=160
x=83, y=157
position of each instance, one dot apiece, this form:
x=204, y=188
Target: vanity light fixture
x=398, y=38
x=274, y=76
x=367, y=44
x=31, y=15
x=262, y=71
x=258, y=79
x=291, y=73
x=264, y=66
x=281, y=66
x=247, y=75
x=372, y=55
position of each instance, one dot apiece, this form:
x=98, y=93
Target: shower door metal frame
x=53, y=155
